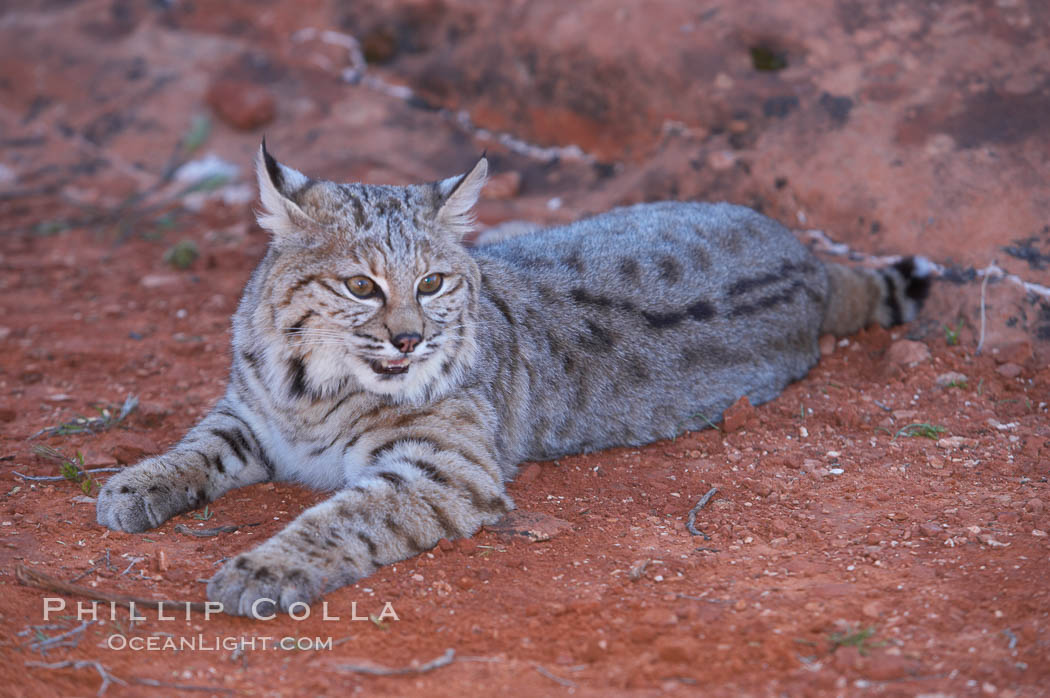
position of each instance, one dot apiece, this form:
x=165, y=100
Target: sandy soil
x=844, y=552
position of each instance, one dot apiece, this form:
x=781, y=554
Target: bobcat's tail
x=889, y=296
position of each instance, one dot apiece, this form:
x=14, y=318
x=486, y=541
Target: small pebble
x=1009, y=370
x=827, y=345
x=638, y=569
x=951, y=378
x=905, y=352
x=930, y=529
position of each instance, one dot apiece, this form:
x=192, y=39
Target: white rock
x=951, y=378
x=211, y=165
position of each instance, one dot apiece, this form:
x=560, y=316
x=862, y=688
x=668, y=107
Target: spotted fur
x=623, y=328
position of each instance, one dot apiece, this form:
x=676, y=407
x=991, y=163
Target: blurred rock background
x=892, y=127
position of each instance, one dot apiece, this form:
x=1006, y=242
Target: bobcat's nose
x=406, y=342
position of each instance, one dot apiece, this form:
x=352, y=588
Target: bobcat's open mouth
x=390, y=367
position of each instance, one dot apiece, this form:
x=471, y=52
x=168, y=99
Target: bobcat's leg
x=220, y=453
x=417, y=486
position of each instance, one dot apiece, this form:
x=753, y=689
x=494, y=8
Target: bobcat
x=377, y=356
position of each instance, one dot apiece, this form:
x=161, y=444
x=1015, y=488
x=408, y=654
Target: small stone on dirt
x=950, y=442
x=638, y=569
x=905, y=352
x=242, y=105
x=930, y=529
x=528, y=474
x=951, y=378
x=1010, y=370
x=827, y=345
x=533, y=526
x=763, y=488
x=721, y=160
x=466, y=545
x=158, y=280
x=738, y=415
x=1015, y=352
x=811, y=465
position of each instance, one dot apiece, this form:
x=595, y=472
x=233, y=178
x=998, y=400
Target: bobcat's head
x=368, y=284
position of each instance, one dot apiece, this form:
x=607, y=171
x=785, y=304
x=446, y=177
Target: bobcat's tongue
x=391, y=366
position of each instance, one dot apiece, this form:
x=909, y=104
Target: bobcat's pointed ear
x=458, y=196
x=277, y=184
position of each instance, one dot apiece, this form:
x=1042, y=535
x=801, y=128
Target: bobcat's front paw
x=145, y=496
x=259, y=582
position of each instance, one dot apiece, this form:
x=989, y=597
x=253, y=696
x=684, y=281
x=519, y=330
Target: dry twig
x=691, y=523
x=89, y=570
x=56, y=478
x=80, y=425
x=553, y=677
x=62, y=638
x=107, y=678
x=206, y=532
x=443, y=660
x=154, y=683
x=134, y=561
x=34, y=578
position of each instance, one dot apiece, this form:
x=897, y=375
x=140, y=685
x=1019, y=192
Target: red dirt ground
x=845, y=557
x=841, y=559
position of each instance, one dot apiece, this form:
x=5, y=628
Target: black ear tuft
x=272, y=168
x=916, y=279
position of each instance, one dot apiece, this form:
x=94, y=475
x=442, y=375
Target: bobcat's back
x=638, y=323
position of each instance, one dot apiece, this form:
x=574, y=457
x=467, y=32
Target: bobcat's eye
x=430, y=283
x=361, y=286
